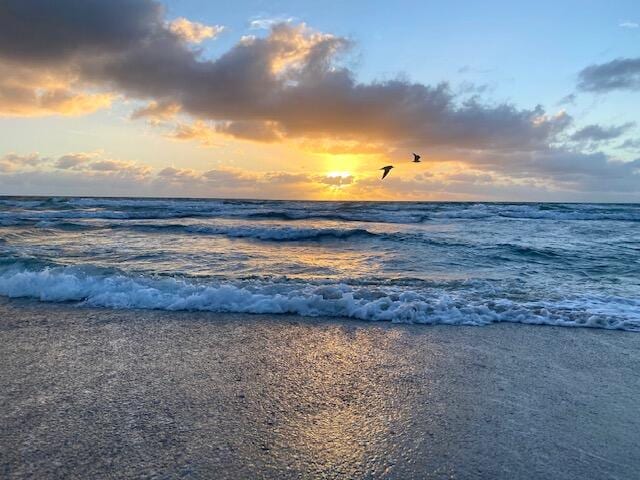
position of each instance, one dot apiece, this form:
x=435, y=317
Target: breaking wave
x=94, y=287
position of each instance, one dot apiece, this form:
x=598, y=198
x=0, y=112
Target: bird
x=386, y=169
x=416, y=158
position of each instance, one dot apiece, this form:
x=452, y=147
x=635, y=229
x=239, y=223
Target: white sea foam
x=432, y=306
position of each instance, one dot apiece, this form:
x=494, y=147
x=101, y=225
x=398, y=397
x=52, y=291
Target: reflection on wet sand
x=346, y=406
x=157, y=394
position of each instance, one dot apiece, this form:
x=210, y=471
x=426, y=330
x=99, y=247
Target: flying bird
x=416, y=158
x=386, y=169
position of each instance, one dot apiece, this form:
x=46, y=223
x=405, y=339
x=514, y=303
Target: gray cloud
x=261, y=131
x=618, y=74
x=563, y=168
x=12, y=161
x=73, y=160
x=569, y=99
x=598, y=133
x=290, y=78
x=74, y=28
x=630, y=144
x=86, y=162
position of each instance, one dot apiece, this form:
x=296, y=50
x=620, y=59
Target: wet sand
x=88, y=393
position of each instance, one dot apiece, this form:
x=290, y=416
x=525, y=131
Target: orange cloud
x=157, y=111
x=198, y=130
x=30, y=92
x=194, y=32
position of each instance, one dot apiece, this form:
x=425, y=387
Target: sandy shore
x=140, y=394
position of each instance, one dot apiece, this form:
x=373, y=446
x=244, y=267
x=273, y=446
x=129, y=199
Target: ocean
x=574, y=265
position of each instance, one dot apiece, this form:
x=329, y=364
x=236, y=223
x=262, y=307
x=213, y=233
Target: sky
x=504, y=101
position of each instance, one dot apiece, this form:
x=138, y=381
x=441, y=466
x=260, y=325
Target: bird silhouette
x=386, y=169
x=416, y=158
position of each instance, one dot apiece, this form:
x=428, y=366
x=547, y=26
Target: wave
x=558, y=212
x=264, y=232
x=268, y=233
x=89, y=287
x=370, y=217
x=30, y=209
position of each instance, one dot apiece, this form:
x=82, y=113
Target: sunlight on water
x=456, y=263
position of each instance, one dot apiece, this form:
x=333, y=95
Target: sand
x=87, y=393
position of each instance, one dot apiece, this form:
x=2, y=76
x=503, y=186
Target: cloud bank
x=291, y=78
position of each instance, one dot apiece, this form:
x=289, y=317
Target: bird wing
x=386, y=172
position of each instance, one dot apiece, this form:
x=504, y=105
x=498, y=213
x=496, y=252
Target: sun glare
x=339, y=174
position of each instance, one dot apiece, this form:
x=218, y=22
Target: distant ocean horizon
x=283, y=199
x=457, y=263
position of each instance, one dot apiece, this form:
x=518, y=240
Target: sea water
x=427, y=263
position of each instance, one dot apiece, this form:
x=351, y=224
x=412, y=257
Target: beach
x=99, y=393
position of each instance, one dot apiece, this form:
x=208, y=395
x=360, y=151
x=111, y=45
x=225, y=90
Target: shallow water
x=453, y=263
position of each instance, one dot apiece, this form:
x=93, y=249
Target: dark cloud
x=618, y=74
x=291, y=79
x=51, y=31
x=598, y=133
x=261, y=131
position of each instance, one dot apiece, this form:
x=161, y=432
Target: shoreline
x=93, y=393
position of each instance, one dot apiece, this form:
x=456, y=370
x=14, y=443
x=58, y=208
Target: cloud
x=291, y=78
x=266, y=23
x=198, y=130
x=335, y=180
x=119, y=167
x=569, y=99
x=554, y=175
x=173, y=174
x=12, y=161
x=262, y=131
x=233, y=182
x=598, y=133
x=194, y=32
x=618, y=74
x=87, y=162
x=80, y=173
x=565, y=169
x=630, y=144
x=157, y=111
x=27, y=91
x=629, y=24
x=74, y=160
